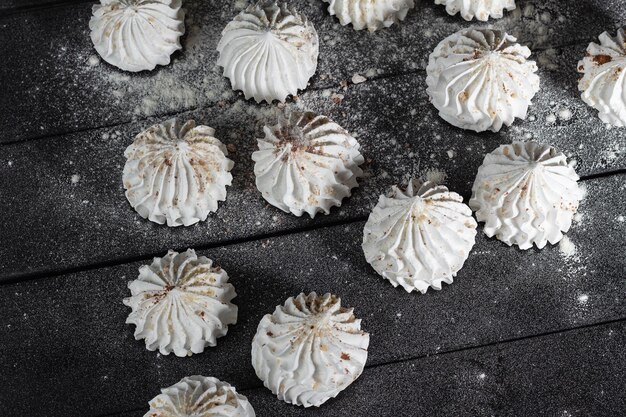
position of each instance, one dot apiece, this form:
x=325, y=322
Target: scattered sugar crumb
x=620, y=219
x=371, y=72
x=93, y=60
x=565, y=114
x=450, y=153
x=583, y=298
x=482, y=376
x=551, y=118
x=240, y=4
x=567, y=247
x=337, y=98
x=75, y=178
x=358, y=79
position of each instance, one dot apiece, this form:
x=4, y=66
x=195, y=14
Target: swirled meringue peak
x=176, y=173
x=479, y=9
x=419, y=237
x=370, y=14
x=181, y=303
x=269, y=51
x=306, y=164
x=310, y=349
x=526, y=194
x=137, y=35
x=480, y=79
x=200, y=396
x=604, y=81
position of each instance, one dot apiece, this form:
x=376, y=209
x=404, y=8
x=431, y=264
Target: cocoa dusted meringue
x=309, y=350
x=306, y=164
x=370, y=14
x=526, y=194
x=604, y=78
x=419, y=237
x=200, y=396
x=137, y=35
x=481, y=79
x=479, y=9
x=181, y=303
x=269, y=51
x=176, y=173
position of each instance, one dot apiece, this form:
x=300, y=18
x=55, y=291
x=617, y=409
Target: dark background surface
x=519, y=332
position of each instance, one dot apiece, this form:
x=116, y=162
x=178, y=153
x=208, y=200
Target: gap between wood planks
x=145, y=257
x=239, y=96
x=423, y=356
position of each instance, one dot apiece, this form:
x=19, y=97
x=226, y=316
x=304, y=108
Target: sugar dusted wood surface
x=532, y=333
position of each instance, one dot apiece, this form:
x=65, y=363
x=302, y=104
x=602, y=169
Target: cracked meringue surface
x=419, y=237
x=479, y=9
x=603, y=83
x=269, y=51
x=306, y=164
x=370, y=14
x=181, y=303
x=481, y=79
x=137, y=35
x=176, y=173
x=526, y=194
x=200, y=396
x=310, y=349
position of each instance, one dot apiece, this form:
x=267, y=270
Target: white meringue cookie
x=309, y=350
x=306, y=164
x=479, y=9
x=176, y=173
x=420, y=237
x=137, y=35
x=269, y=51
x=604, y=81
x=181, y=303
x=370, y=14
x=526, y=194
x=480, y=79
x=200, y=396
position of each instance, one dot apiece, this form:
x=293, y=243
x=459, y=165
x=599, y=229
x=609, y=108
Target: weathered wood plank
x=576, y=373
x=61, y=91
x=59, y=327
x=572, y=374
x=89, y=221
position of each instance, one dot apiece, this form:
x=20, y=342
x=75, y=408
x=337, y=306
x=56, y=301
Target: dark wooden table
x=519, y=333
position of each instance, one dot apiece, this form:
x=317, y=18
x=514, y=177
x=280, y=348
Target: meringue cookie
x=137, y=35
x=420, y=237
x=181, y=303
x=480, y=79
x=604, y=81
x=269, y=51
x=306, y=163
x=480, y=9
x=200, y=396
x=309, y=350
x=526, y=194
x=176, y=173
x=370, y=14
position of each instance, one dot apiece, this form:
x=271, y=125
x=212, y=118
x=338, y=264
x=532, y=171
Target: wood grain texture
x=576, y=373
x=62, y=92
x=78, y=224
x=70, y=329
x=519, y=333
